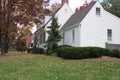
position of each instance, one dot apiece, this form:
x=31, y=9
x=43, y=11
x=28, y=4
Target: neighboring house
x=92, y=26
x=63, y=14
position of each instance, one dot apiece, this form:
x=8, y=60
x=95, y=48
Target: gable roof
x=78, y=16
x=52, y=15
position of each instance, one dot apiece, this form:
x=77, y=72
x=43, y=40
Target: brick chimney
x=65, y=1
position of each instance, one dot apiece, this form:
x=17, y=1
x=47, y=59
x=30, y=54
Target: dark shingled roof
x=78, y=16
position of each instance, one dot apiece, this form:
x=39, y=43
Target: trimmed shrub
x=37, y=50
x=95, y=52
x=115, y=53
x=29, y=50
x=68, y=52
x=65, y=46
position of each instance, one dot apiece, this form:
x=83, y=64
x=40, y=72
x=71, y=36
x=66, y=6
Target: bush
x=65, y=46
x=95, y=52
x=115, y=53
x=29, y=50
x=68, y=52
x=36, y=50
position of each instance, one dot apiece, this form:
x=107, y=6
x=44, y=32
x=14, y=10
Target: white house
x=63, y=14
x=92, y=26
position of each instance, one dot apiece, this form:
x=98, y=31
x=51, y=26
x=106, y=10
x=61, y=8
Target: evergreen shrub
x=37, y=50
x=114, y=53
x=68, y=52
x=65, y=46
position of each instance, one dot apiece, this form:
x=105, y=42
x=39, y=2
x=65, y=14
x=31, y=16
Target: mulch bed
x=24, y=54
x=104, y=58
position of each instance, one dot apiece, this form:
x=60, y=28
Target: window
x=40, y=38
x=73, y=34
x=65, y=10
x=31, y=45
x=44, y=37
x=97, y=11
x=63, y=37
x=109, y=34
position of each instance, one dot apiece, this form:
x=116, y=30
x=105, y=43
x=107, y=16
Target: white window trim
x=98, y=12
x=73, y=35
x=109, y=34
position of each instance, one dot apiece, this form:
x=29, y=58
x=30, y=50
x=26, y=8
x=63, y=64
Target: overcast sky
x=73, y=3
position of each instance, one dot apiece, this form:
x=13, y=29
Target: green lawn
x=41, y=67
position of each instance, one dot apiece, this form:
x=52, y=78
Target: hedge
x=114, y=53
x=67, y=52
x=36, y=50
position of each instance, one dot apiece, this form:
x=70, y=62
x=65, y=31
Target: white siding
x=47, y=18
x=94, y=28
x=68, y=36
x=63, y=15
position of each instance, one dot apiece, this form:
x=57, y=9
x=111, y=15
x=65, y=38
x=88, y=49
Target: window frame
x=109, y=34
x=73, y=35
x=66, y=10
x=63, y=37
x=44, y=37
x=98, y=11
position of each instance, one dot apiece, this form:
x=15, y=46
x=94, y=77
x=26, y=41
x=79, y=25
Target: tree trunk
x=4, y=48
x=0, y=44
x=3, y=51
x=4, y=44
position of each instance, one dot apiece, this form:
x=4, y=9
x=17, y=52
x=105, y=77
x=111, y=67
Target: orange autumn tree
x=22, y=12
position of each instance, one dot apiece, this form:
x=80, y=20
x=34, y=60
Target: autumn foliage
x=86, y=4
x=16, y=19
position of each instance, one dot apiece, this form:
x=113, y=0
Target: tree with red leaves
x=26, y=13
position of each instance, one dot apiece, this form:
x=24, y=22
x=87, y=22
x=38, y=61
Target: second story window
x=98, y=11
x=65, y=10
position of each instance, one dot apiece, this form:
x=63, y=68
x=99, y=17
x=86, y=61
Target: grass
x=41, y=67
